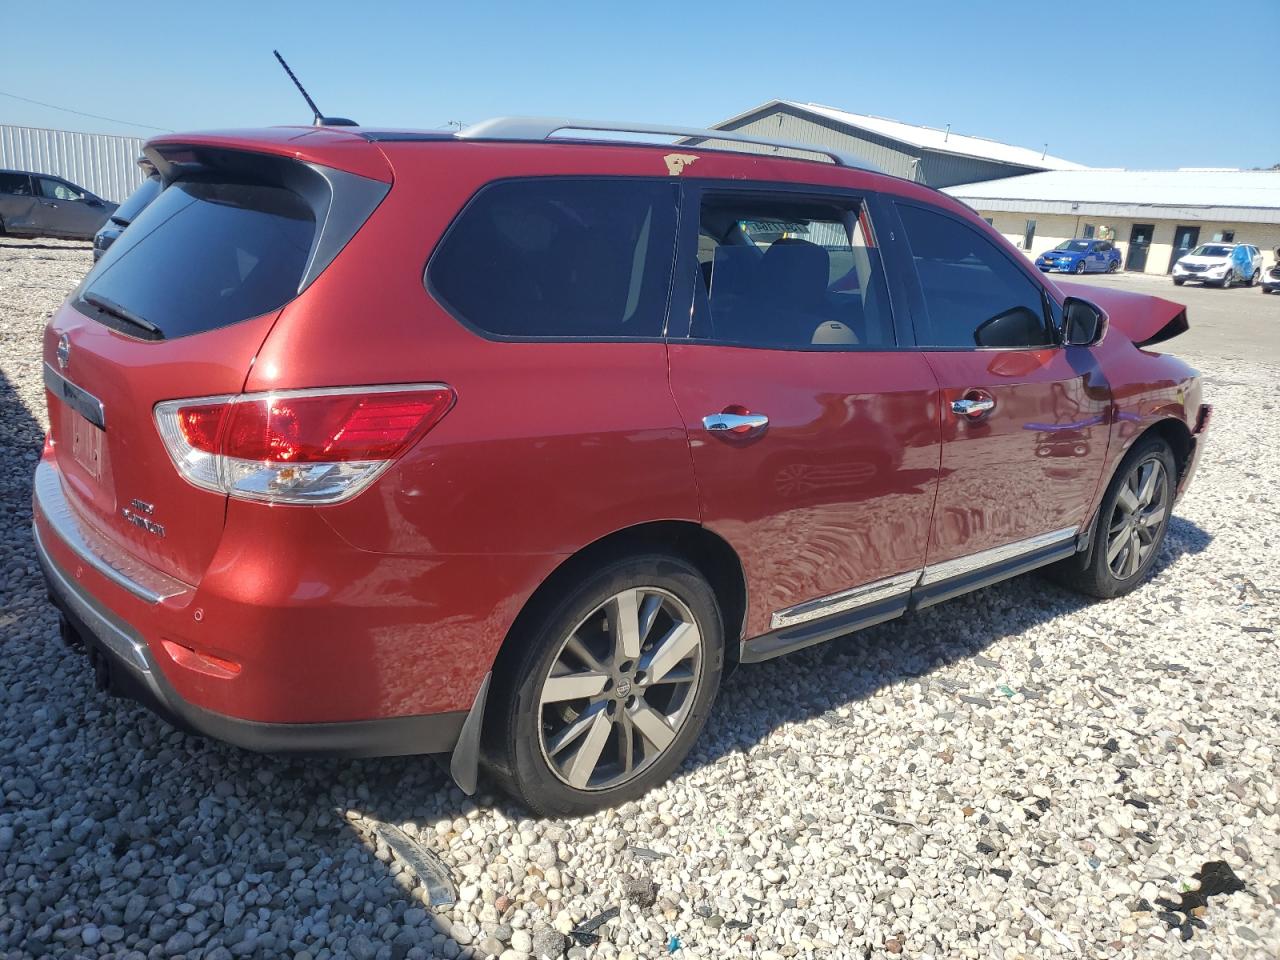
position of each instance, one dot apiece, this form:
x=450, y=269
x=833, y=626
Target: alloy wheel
x=1141, y=509
x=620, y=688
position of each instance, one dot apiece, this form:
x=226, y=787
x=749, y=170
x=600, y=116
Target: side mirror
x=1083, y=323
x=93, y=201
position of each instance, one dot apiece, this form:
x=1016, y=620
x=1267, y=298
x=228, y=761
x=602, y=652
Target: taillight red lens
x=297, y=446
x=200, y=425
x=332, y=429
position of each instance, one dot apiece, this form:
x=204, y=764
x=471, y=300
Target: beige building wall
x=1052, y=229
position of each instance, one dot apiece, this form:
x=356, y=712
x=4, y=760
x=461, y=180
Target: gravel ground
x=1016, y=773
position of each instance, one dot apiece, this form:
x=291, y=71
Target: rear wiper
x=111, y=308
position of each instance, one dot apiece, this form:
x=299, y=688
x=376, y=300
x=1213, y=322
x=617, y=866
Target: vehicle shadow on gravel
x=111, y=819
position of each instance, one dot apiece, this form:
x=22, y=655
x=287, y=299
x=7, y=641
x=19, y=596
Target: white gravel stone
x=934, y=787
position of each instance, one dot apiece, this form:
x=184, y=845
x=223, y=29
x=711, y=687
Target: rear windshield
x=202, y=256
x=137, y=201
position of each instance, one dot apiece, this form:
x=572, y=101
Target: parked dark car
x=380, y=442
x=41, y=205
x=1081, y=256
x=133, y=205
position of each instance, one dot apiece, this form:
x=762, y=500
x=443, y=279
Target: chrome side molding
x=905, y=583
x=845, y=600
x=958, y=567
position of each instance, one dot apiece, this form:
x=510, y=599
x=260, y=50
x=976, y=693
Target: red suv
x=510, y=445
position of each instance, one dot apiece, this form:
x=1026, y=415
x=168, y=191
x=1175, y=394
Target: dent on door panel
x=1032, y=464
x=838, y=490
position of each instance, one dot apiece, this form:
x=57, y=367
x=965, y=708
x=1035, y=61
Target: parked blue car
x=1081, y=256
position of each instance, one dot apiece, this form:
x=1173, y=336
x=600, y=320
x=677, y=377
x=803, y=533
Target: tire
x=1110, y=568
x=1225, y=282
x=1254, y=278
x=536, y=732
x=1079, y=267
x=1113, y=267
x=1179, y=281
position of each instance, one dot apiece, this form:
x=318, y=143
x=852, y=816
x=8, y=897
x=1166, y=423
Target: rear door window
x=202, y=256
x=974, y=295
x=15, y=184
x=561, y=258
x=789, y=272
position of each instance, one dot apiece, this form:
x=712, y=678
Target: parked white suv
x=1220, y=264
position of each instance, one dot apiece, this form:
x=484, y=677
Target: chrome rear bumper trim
x=122, y=569
x=128, y=648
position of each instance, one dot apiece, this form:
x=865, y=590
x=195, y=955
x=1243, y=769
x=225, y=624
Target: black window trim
x=686, y=274
x=442, y=302
x=1050, y=305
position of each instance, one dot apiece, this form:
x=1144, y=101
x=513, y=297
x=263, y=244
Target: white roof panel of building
x=931, y=138
x=1164, y=188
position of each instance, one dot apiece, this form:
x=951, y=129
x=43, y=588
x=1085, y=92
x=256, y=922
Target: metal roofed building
x=102, y=163
x=926, y=155
x=1154, y=216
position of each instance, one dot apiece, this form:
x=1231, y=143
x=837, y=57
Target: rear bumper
x=133, y=673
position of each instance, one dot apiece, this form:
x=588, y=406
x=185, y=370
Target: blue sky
x=1104, y=83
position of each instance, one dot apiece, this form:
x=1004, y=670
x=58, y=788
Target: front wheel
x=1179, y=281
x=1225, y=282
x=1079, y=266
x=1131, y=525
x=610, y=688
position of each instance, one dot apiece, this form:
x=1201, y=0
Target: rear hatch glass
x=201, y=256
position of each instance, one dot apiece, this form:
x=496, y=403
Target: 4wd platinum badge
x=139, y=514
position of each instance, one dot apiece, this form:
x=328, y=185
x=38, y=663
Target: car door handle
x=733, y=423
x=974, y=405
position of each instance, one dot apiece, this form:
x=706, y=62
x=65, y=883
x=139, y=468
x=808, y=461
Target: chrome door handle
x=739, y=424
x=972, y=407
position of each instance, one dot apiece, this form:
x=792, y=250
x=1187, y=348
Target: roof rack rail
x=544, y=128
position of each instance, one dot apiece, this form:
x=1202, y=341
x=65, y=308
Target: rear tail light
x=297, y=446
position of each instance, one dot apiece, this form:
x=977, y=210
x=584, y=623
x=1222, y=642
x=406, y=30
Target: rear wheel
x=610, y=690
x=1254, y=278
x=1131, y=525
x=1113, y=267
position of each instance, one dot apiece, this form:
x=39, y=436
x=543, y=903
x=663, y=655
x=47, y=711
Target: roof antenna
x=320, y=119
x=947, y=136
x=1044, y=152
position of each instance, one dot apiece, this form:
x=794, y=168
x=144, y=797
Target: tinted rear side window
x=15, y=184
x=205, y=255
x=560, y=258
x=974, y=295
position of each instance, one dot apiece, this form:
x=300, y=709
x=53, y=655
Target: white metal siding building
x=101, y=163
x=926, y=155
x=1154, y=216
